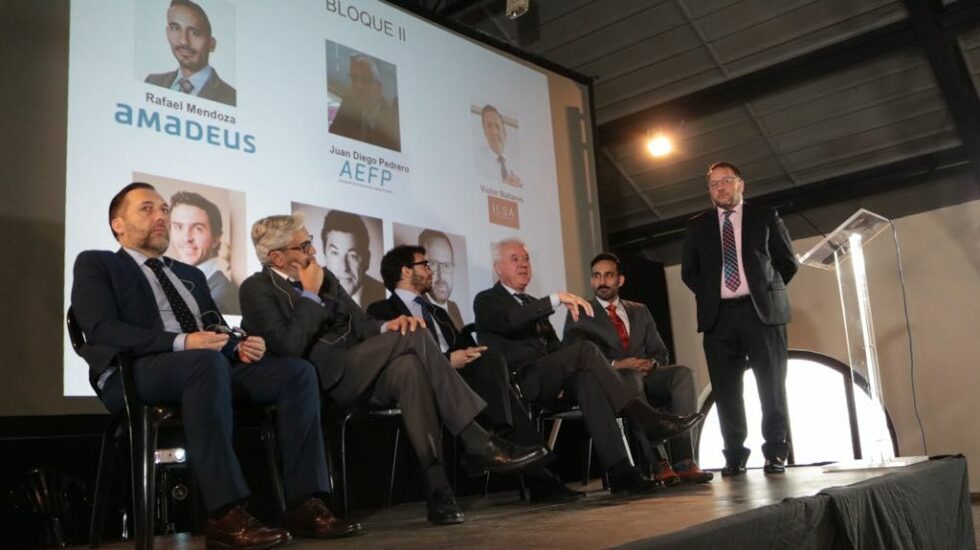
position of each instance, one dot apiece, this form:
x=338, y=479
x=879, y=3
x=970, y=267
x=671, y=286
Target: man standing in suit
x=515, y=324
x=304, y=311
x=627, y=335
x=407, y=274
x=157, y=311
x=442, y=260
x=189, y=34
x=347, y=254
x=364, y=113
x=737, y=260
x=197, y=229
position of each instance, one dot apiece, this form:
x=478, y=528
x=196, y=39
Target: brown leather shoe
x=663, y=473
x=312, y=519
x=238, y=529
x=689, y=472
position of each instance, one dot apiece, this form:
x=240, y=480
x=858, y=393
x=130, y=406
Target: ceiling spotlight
x=659, y=145
x=517, y=8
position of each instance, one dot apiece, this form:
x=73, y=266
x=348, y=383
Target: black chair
x=340, y=419
x=141, y=422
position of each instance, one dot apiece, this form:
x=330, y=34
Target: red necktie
x=624, y=337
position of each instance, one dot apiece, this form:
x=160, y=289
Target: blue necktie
x=426, y=312
x=298, y=285
x=730, y=253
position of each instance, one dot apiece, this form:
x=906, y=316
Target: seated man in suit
x=627, y=335
x=303, y=311
x=191, y=41
x=516, y=325
x=157, y=310
x=406, y=273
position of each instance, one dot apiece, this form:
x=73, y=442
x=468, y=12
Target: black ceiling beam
x=960, y=16
x=887, y=177
x=952, y=75
x=735, y=91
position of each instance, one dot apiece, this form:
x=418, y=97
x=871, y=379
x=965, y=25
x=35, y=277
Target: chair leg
x=343, y=469
x=394, y=465
x=587, y=462
x=144, y=444
x=553, y=435
x=103, y=479
x=522, y=488
x=268, y=436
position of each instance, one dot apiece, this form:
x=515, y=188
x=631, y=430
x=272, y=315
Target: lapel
x=398, y=305
x=714, y=233
x=607, y=330
x=747, y=227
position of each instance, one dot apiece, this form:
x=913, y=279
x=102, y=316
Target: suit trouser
x=585, y=376
x=489, y=376
x=671, y=388
x=417, y=378
x=739, y=336
x=204, y=383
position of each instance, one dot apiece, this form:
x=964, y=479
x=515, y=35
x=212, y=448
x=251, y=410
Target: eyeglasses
x=727, y=180
x=442, y=267
x=423, y=263
x=304, y=247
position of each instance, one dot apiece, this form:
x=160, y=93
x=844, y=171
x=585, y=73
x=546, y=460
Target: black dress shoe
x=443, y=509
x=552, y=490
x=775, y=466
x=658, y=424
x=733, y=469
x=631, y=483
x=499, y=455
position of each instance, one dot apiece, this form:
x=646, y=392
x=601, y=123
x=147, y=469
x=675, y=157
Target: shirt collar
x=737, y=210
x=137, y=256
x=198, y=79
x=281, y=274
x=617, y=303
x=406, y=295
x=511, y=290
x=208, y=267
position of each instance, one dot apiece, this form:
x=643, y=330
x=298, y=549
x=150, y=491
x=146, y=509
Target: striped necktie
x=730, y=253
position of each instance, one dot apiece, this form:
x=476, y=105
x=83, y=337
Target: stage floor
x=601, y=520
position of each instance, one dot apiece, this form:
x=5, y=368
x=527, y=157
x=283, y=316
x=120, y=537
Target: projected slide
x=379, y=127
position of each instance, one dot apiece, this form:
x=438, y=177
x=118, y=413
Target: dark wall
x=34, y=55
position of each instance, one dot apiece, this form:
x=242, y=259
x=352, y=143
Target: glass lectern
x=842, y=251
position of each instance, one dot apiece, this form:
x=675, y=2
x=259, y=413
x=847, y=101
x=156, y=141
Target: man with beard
x=189, y=35
x=627, y=335
x=737, y=260
x=152, y=308
x=347, y=254
x=406, y=273
x=195, y=223
x=442, y=261
x=364, y=113
x=515, y=324
x=304, y=311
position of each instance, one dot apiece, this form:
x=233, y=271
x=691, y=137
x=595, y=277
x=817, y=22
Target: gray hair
x=499, y=247
x=274, y=233
x=366, y=60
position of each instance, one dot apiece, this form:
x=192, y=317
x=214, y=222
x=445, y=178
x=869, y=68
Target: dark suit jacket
x=645, y=341
x=117, y=311
x=385, y=133
x=214, y=89
x=294, y=326
x=393, y=307
x=522, y=333
x=767, y=257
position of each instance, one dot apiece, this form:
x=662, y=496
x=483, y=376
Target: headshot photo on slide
x=496, y=144
x=181, y=44
x=207, y=231
x=362, y=97
x=350, y=246
x=446, y=254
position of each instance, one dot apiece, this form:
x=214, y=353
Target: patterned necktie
x=617, y=321
x=298, y=285
x=730, y=253
x=504, y=173
x=542, y=327
x=426, y=312
x=177, y=304
x=185, y=85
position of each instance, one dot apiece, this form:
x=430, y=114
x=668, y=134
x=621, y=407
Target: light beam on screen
x=344, y=114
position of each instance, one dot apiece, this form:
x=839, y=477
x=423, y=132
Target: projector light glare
x=659, y=145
